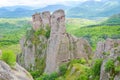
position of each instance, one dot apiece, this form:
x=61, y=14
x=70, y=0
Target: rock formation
x=109, y=50
x=60, y=47
x=103, y=48
x=15, y=73
x=104, y=75
x=63, y=47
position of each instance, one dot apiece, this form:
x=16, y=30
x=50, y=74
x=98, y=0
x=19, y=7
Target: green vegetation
x=63, y=69
x=11, y=31
x=77, y=69
x=109, y=65
x=9, y=57
x=113, y=20
x=96, y=68
x=93, y=33
x=118, y=58
x=52, y=76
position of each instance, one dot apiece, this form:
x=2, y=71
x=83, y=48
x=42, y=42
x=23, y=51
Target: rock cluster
x=103, y=48
x=109, y=50
x=60, y=46
x=15, y=73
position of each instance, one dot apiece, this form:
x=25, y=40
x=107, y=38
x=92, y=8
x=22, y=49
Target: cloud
x=39, y=3
x=30, y=2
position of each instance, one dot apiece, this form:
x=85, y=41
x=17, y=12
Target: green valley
x=11, y=31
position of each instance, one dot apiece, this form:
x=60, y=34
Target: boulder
x=15, y=73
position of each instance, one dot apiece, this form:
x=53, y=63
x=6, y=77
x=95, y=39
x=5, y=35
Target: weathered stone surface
x=63, y=47
x=16, y=73
x=27, y=59
x=114, y=53
x=104, y=48
x=117, y=77
x=37, y=21
x=46, y=16
x=59, y=48
x=110, y=49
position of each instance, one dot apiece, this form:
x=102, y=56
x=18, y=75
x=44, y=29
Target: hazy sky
x=32, y=2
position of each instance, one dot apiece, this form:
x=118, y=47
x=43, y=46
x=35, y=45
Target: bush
x=81, y=61
x=96, y=67
x=83, y=77
x=63, y=69
x=118, y=58
x=35, y=74
x=9, y=57
x=47, y=34
x=109, y=65
x=117, y=69
x=52, y=76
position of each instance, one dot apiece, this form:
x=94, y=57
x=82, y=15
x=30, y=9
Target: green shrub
x=35, y=74
x=118, y=58
x=81, y=61
x=48, y=32
x=83, y=77
x=9, y=57
x=117, y=69
x=96, y=67
x=52, y=76
x=109, y=65
x=96, y=78
x=63, y=69
x=106, y=53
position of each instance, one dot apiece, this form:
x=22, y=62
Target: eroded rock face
x=103, y=48
x=27, y=59
x=63, y=47
x=46, y=16
x=37, y=21
x=60, y=47
x=16, y=73
x=108, y=50
x=107, y=75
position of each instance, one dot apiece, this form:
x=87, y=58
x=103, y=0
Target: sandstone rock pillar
x=57, y=29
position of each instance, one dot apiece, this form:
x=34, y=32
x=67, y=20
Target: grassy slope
x=11, y=30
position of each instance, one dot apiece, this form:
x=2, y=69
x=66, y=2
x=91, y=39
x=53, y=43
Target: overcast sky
x=32, y=2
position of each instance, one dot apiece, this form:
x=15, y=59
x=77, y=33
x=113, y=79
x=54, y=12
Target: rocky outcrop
x=63, y=47
x=112, y=74
x=60, y=47
x=15, y=73
x=109, y=51
x=103, y=48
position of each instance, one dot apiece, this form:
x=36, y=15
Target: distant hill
x=75, y=9
x=113, y=20
x=91, y=9
x=24, y=11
